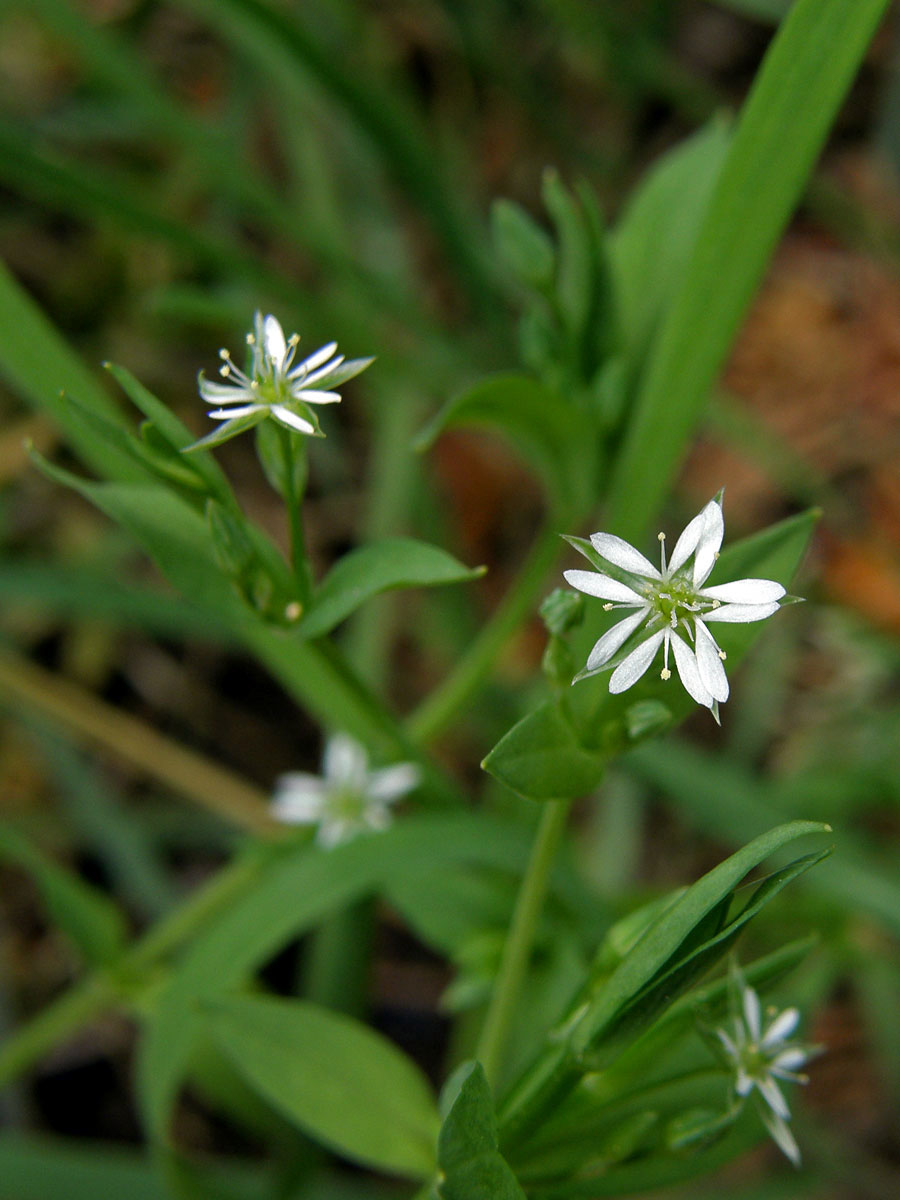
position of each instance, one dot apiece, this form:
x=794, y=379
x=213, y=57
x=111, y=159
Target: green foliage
x=334, y=1077
x=468, y=1155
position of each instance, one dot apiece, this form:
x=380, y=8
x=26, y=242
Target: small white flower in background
x=760, y=1056
x=672, y=608
x=347, y=799
x=275, y=386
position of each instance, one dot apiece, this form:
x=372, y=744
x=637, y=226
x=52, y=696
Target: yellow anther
x=665, y=673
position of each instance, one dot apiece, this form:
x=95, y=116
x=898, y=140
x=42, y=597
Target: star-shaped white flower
x=275, y=386
x=672, y=608
x=348, y=799
x=760, y=1056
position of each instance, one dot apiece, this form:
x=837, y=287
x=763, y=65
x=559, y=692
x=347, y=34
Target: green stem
x=436, y=712
x=293, y=451
x=520, y=939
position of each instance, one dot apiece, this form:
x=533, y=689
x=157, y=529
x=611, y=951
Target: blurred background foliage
x=166, y=169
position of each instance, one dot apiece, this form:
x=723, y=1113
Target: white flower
x=760, y=1056
x=348, y=799
x=275, y=386
x=673, y=608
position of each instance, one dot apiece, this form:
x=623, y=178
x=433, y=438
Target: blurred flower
x=275, y=386
x=758, y=1057
x=348, y=799
x=672, y=608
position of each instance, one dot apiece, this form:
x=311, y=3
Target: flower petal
x=782, y=1137
x=224, y=393
x=232, y=414
x=298, y=799
x=630, y=670
x=782, y=1027
x=273, y=341
x=788, y=1061
x=308, y=378
x=313, y=360
x=615, y=637
x=286, y=417
x=712, y=673
x=771, y=1093
x=706, y=529
x=734, y=613
x=390, y=782
x=621, y=554
x=745, y=591
x=689, y=672
x=752, y=1013
x=344, y=763
x=603, y=587
x=314, y=396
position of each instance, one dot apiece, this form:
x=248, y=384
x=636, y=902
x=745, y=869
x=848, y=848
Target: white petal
x=298, y=799
x=286, y=417
x=377, y=817
x=390, y=782
x=314, y=360
x=314, y=396
x=782, y=1027
x=344, y=763
x=743, y=1084
x=782, y=1137
x=712, y=673
x=752, y=1013
x=741, y=612
x=311, y=377
x=273, y=341
x=232, y=414
x=788, y=1061
x=633, y=667
x=606, y=647
x=332, y=831
x=745, y=591
x=621, y=554
x=771, y=1093
x=726, y=1041
x=702, y=528
x=689, y=672
x=225, y=393
x=710, y=542
x=603, y=587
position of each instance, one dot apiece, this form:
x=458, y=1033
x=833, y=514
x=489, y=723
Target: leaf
x=38, y=364
x=692, y=925
x=334, y=1077
x=468, y=1153
x=668, y=933
x=378, y=567
x=86, y=915
x=550, y=432
x=541, y=757
x=296, y=892
x=523, y=244
x=800, y=86
x=652, y=242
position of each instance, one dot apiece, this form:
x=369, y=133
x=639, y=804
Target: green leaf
x=799, y=88
x=543, y=758
x=86, y=915
x=549, y=432
x=520, y=241
x=297, y=891
x=653, y=239
x=468, y=1154
x=375, y=568
x=338, y=1080
x=38, y=364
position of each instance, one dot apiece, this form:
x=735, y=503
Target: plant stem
x=293, y=451
x=520, y=939
x=449, y=697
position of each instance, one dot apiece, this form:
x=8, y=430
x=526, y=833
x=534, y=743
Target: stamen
x=665, y=673
x=251, y=339
x=723, y=656
x=294, y=340
x=608, y=607
x=226, y=371
x=661, y=538
x=293, y=611
x=223, y=353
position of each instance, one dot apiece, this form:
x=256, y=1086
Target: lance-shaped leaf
x=379, y=567
x=468, y=1155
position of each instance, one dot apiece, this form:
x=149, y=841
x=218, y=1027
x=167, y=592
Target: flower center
x=346, y=804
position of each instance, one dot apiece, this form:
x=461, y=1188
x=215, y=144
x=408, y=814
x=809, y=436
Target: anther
x=608, y=607
x=665, y=673
x=660, y=537
x=294, y=339
x=722, y=655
